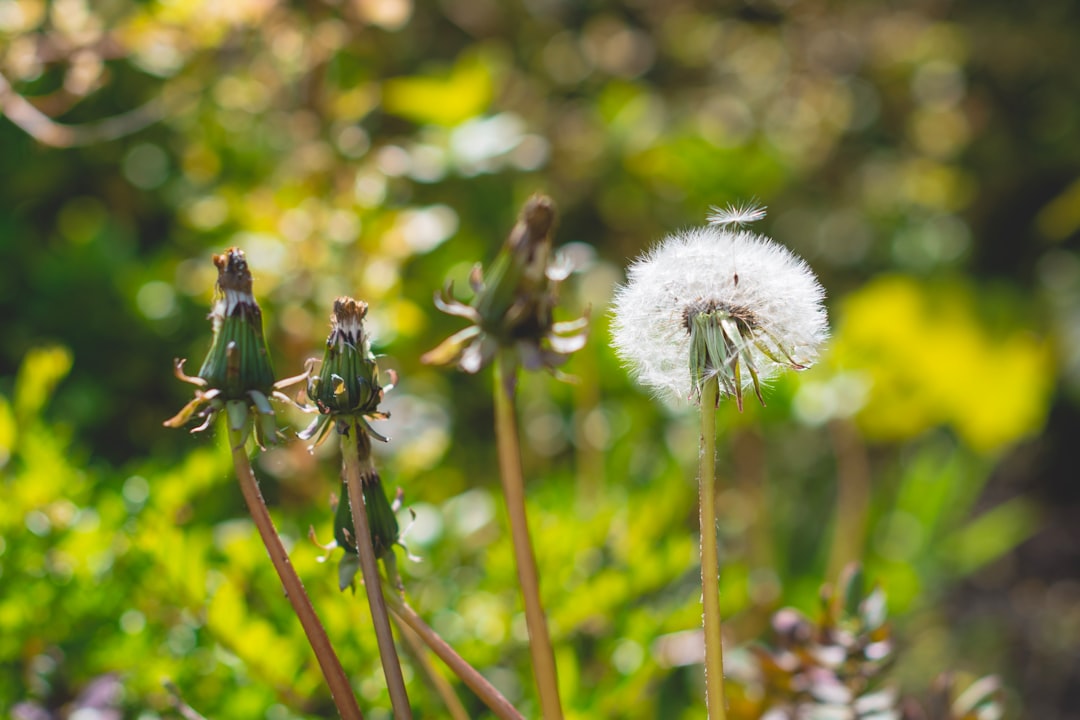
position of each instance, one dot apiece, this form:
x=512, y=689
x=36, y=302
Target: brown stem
x=369, y=566
x=415, y=649
x=340, y=689
x=513, y=482
x=468, y=674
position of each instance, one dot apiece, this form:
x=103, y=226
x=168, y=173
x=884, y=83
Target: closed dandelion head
x=346, y=387
x=514, y=302
x=236, y=375
x=718, y=302
x=382, y=518
x=383, y=524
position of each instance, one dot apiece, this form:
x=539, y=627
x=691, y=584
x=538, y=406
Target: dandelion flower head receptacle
x=718, y=301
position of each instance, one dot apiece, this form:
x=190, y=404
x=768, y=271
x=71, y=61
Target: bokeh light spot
x=146, y=166
x=156, y=300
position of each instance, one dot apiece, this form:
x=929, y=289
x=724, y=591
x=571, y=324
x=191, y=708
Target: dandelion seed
x=736, y=214
x=713, y=302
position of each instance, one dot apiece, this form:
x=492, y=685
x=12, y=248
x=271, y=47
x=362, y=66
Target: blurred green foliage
x=923, y=158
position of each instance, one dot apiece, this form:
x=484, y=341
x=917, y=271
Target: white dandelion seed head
x=742, y=273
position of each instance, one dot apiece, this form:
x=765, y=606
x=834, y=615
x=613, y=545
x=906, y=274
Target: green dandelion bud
x=236, y=376
x=384, y=525
x=238, y=361
x=382, y=520
x=385, y=532
x=347, y=384
x=514, y=302
x=347, y=392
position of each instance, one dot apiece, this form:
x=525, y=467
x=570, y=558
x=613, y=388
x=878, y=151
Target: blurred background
x=924, y=158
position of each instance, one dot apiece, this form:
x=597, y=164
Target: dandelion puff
x=736, y=214
x=714, y=302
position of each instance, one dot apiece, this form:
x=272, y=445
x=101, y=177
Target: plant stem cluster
x=513, y=316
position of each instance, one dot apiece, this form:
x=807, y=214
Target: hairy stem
x=340, y=689
x=513, y=482
x=468, y=674
x=354, y=468
x=710, y=587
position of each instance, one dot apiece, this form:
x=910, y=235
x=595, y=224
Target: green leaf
x=42, y=370
x=991, y=535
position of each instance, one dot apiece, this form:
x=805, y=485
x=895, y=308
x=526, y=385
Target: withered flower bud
x=514, y=302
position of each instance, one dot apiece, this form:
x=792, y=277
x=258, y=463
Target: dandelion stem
x=415, y=649
x=710, y=587
x=369, y=566
x=340, y=690
x=468, y=674
x=513, y=482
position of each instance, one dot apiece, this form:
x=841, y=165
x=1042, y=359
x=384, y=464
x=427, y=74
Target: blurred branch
x=751, y=476
x=852, y=495
x=47, y=131
x=185, y=710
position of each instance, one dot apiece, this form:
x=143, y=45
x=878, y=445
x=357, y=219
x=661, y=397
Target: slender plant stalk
x=748, y=459
x=469, y=675
x=513, y=482
x=414, y=647
x=710, y=587
x=852, y=495
x=369, y=566
x=340, y=689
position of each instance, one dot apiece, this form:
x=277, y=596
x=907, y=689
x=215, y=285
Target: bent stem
x=369, y=566
x=710, y=587
x=340, y=690
x=513, y=482
x=469, y=675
